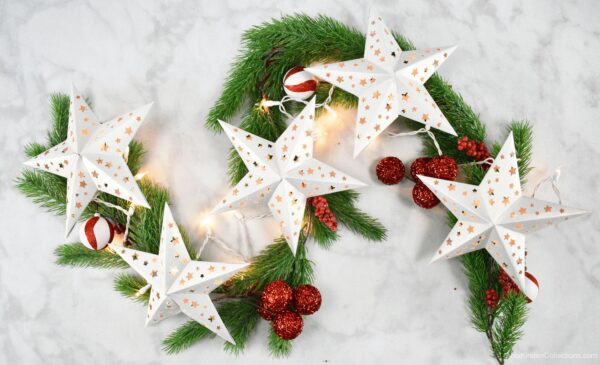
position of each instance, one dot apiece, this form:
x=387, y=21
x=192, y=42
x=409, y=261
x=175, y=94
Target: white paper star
x=284, y=173
x=388, y=82
x=179, y=284
x=91, y=158
x=495, y=215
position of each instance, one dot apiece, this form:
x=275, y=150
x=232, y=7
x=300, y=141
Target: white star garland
x=388, y=82
x=495, y=215
x=178, y=283
x=91, y=158
x=283, y=174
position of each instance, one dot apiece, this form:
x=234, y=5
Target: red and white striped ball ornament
x=299, y=84
x=532, y=287
x=96, y=233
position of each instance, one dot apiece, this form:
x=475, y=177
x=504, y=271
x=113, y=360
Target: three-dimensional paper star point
x=388, y=83
x=495, y=215
x=178, y=283
x=283, y=174
x=91, y=158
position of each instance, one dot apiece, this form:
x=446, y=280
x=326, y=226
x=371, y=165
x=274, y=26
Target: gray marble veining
x=516, y=59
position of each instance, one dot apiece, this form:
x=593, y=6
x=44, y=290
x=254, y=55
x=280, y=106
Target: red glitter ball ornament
x=390, y=170
x=424, y=197
x=307, y=299
x=276, y=297
x=419, y=167
x=288, y=325
x=442, y=167
x=263, y=312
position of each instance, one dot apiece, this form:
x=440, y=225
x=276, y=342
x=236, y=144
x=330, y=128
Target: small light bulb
x=140, y=175
x=331, y=111
x=207, y=221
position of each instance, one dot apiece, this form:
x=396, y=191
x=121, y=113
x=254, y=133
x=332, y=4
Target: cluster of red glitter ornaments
x=283, y=306
x=441, y=167
x=474, y=149
x=390, y=171
x=323, y=213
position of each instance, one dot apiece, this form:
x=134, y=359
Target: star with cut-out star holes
x=388, y=82
x=283, y=174
x=178, y=283
x=495, y=215
x=91, y=158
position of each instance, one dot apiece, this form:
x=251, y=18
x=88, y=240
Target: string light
x=142, y=291
x=264, y=105
x=140, y=175
x=330, y=111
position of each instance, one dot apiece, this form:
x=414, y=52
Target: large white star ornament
x=388, y=82
x=283, y=173
x=178, y=283
x=495, y=215
x=91, y=158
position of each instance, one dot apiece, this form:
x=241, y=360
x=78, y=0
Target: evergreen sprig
x=277, y=346
x=185, y=336
x=129, y=286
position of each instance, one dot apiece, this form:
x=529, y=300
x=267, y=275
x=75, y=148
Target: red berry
x=323, y=213
x=424, y=197
x=442, y=167
x=307, y=299
x=418, y=167
x=491, y=298
x=390, y=170
x=276, y=296
x=288, y=325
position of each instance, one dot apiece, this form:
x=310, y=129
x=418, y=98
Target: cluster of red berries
x=507, y=284
x=283, y=306
x=323, y=213
x=474, y=149
x=491, y=297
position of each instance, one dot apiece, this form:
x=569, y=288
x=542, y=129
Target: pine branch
x=129, y=285
x=342, y=205
x=278, y=347
x=302, y=269
x=275, y=262
x=59, y=109
x=76, y=254
x=46, y=190
x=240, y=317
x=184, y=337
x=509, y=320
x=475, y=268
x=523, y=136
x=322, y=235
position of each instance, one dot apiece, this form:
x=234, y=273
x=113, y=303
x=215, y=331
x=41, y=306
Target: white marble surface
x=382, y=302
